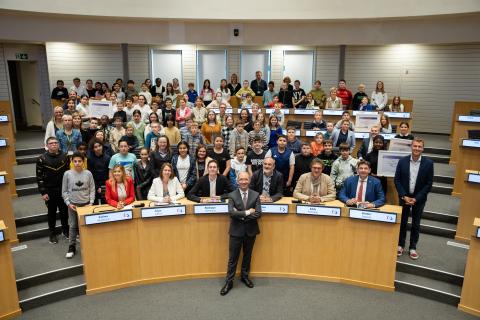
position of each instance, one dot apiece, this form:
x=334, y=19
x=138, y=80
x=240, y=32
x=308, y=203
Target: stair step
x=436, y=253
x=438, y=158
x=442, y=151
x=29, y=151
x=443, y=203
x=20, y=181
x=430, y=273
x=27, y=189
x=28, y=205
x=443, y=179
x=428, y=288
x=35, y=231
x=40, y=257
x=27, y=159
x=49, y=276
x=436, y=228
x=51, y=292
x=442, y=188
x=440, y=217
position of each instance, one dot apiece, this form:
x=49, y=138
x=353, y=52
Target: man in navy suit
x=245, y=208
x=362, y=189
x=413, y=180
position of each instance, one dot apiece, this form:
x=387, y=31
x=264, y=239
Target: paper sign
x=387, y=162
x=99, y=108
x=366, y=120
x=106, y=217
x=162, y=211
x=397, y=144
x=372, y=215
x=318, y=210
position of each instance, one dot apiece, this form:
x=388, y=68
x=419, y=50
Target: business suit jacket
x=363, y=150
x=240, y=224
x=424, y=181
x=374, y=193
x=276, y=184
x=350, y=138
x=303, y=189
x=202, y=188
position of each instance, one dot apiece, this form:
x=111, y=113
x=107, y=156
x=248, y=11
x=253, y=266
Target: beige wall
x=253, y=9
x=38, y=28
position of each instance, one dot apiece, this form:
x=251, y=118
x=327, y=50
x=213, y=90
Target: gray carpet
x=270, y=299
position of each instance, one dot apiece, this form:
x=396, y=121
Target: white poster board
x=387, y=162
x=397, y=144
x=99, y=108
x=364, y=121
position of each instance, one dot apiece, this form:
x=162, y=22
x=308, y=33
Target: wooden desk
x=6, y=163
x=150, y=250
x=6, y=131
x=462, y=107
x=6, y=212
x=470, y=159
x=9, y=306
x=470, y=299
x=460, y=132
x=468, y=206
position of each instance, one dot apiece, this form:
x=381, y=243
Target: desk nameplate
x=110, y=216
x=469, y=118
x=388, y=136
x=271, y=110
x=163, y=211
x=210, y=208
x=275, y=208
x=305, y=111
x=364, y=112
x=3, y=142
x=297, y=132
x=2, y=180
x=398, y=115
x=2, y=236
x=313, y=133
x=473, y=177
x=318, y=210
x=478, y=232
x=328, y=112
x=372, y=215
x=471, y=143
x=4, y=118
x=362, y=135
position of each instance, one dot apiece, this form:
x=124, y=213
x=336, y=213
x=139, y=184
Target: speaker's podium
x=470, y=299
x=9, y=306
x=329, y=242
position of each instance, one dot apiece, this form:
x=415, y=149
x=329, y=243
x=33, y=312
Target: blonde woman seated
x=166, y=188
x=314, y=186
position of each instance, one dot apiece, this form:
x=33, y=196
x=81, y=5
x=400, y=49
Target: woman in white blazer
x=166, y=188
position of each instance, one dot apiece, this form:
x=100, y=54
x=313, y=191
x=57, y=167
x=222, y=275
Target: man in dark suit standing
x=244, y=208
x=258, y=85
x=268, y=182
x=413, y=180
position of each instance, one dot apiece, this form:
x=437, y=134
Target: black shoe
x=226, y=288
x=65, y=234
x=247, y=282
x=71, y=252
x=53, y=238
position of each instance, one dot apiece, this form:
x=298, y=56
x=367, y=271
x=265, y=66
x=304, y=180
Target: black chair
x=307, y=125
x=295, y=124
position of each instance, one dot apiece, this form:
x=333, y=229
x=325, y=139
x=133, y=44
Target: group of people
x=189, y=146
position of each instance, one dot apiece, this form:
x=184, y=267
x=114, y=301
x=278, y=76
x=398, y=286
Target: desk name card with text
x=471, y=143
x=163, y=211
x=398, y=115
x=3, y=118
x=210, y=208
x=2, y=236
x=313, y=133
x=469, y=118
x=318, y=210
x=274, y=208
x=305, y=111
x=110, y=216
x=356, y=112
x=372, y=215
x=329, y=112
x=2, y=180
x=388, y=136
x=297, y=132
x=271, y=110
x=473, y=177
x=362, y=135
x=3, y=143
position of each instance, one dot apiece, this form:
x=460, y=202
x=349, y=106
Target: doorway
x=25, y=94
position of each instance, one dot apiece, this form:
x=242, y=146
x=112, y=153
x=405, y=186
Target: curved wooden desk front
x=9, y=307
x=148, y=250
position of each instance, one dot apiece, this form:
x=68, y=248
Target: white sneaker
x=71, y=252
x=399, y=251
x=413, y=254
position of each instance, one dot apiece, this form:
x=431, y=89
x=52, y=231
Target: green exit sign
x=21, y=56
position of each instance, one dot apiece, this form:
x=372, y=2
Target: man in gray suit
x=244, y=208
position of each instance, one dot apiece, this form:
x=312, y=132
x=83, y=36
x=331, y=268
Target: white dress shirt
x=414, y=168
x=364, y=191
x=213, y=187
